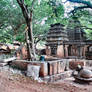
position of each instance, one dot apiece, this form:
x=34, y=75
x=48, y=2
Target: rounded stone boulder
x=84, y=73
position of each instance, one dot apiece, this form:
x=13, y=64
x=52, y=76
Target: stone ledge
x=56, y=77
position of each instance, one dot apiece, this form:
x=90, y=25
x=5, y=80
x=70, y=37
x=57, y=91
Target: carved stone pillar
x=66, y=50
x=85, y=49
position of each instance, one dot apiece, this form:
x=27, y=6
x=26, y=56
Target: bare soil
x=18, y=83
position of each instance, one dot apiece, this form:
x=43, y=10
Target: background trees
x=83, y=11
x=11, y=21
x=46, y=12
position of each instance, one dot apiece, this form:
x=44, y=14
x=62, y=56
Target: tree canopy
x=45, y=12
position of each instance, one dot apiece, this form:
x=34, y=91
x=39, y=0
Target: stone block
x=33, y=71
x=43, y=68
x=62, y=67
x=54, y=68
x=58, y=67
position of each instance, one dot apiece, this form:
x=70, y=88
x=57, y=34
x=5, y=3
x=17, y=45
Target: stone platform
x=56, y=77
x=47, y=68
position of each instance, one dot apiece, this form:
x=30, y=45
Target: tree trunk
x=28, y=46
x=28, y=17
x=31, y=40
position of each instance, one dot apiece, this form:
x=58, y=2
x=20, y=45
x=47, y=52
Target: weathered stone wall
x=22, y=65
x=47, y=68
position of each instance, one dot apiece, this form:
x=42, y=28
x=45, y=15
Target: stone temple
x=68, y=43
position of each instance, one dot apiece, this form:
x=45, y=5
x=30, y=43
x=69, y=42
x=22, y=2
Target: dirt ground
x=19, y=83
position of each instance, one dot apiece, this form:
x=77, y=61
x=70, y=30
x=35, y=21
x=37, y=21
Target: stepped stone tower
x=75, y=31
x=55, y=37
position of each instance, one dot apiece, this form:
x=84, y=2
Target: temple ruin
x=69, y=42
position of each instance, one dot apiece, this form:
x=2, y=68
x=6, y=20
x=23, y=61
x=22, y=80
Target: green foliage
x=13, y=23
x=5, y=36
x=83, y=12
x=89, y=34
x=85, y=18
x=11, y=20
x=45, y=12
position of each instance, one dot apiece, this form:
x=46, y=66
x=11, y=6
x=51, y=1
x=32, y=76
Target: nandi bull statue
x=82, y=74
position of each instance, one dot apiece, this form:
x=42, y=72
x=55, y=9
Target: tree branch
x=24, y=9
x=31, y=11
x=87, y=3
x=32, y=4
x=78, y=8
x=85, y=27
